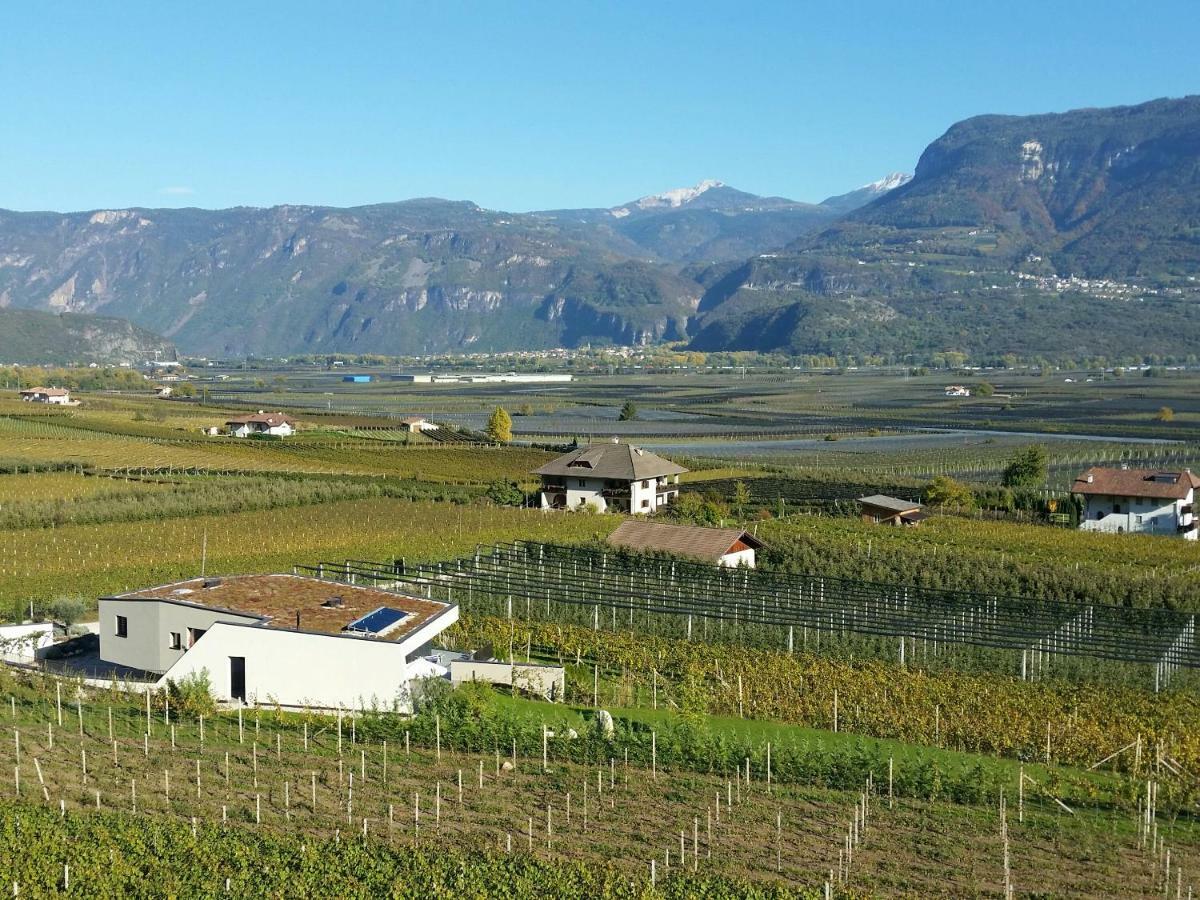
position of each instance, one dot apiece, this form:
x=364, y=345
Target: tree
x=499, y=427
x=741, y=497
x=1165, y=414
x=505, y=493
x=984, y=389
x=525, y=409
x=1027, y=469
x=628, y=412
x=945, y=491
x=184, y=390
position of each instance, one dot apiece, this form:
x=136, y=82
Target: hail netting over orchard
x=922, y=626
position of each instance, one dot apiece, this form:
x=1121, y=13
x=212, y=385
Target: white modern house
x=415, y=424
x=261, y=423
x=1149, y=501
x=54, y=396
x=612, y=477
x=730, y=547
x=278, y=639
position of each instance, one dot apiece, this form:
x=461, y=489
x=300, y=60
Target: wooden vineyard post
x=1021, y=794
x=654, y=755
x=891, y=796
x=835, y=710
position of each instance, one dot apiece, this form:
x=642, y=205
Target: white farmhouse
x=1150, y=501
x=611, y=477
x=261, y=423
x=54, y=396
x=415, y=424
x=730, y=547
x=278, y=639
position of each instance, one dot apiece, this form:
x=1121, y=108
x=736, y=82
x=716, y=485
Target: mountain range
x=1073, y=233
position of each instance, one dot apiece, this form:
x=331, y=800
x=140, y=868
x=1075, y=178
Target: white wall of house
x=294, y=668
x=644, y=495
x=150, y=625
x=1152, y=515
x=738, y=558
x=247, y=429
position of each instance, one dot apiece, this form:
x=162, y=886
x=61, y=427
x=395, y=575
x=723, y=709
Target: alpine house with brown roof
x=285, y=640
x=612, y=477
x=730, y=547
x=1150, y=501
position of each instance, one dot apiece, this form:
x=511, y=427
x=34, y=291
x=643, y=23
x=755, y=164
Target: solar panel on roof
x=379, y=621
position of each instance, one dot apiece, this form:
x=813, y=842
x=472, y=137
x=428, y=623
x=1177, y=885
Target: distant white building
x=261, y=423
x=55, y=396
x=611, y=477
x=1148, y=501
x=413, y=424
x=730, y=547
x=957, y=390
x=278, y=639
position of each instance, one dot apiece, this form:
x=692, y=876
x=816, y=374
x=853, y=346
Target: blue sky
x=535, y=105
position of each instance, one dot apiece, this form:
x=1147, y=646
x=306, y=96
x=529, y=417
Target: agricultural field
x=483, y=777
x=749, y=758
x=90, y=560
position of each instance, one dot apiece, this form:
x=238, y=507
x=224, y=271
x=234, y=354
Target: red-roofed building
x=1151, y=501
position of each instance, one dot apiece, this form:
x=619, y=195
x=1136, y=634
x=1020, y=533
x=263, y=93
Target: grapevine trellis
x=605, y=588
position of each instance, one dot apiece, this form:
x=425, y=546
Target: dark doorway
x=237, y=678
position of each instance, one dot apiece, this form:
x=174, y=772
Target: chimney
x=1090, y=477
x=616, y=440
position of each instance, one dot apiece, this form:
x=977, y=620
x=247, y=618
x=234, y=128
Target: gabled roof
x=882, y=501
x=1158, y=483
x=49, y=392
x=623, y=461
x=271, y=420
x=708, y=544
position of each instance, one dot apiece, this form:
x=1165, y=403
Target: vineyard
x=472, y=791
x=39, y=564
x=1032, y=638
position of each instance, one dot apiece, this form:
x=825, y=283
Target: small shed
x=730, y=547
x=879, y=509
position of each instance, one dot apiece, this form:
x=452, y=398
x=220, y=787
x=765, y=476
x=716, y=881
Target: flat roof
x=882, y=501
x=278, y=599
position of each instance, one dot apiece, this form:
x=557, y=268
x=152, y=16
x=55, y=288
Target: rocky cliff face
x=31, y=337
x=397, y=278
x=1076, y=233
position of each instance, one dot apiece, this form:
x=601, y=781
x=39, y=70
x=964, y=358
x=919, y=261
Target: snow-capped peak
x=888, y=183
x=676, y=198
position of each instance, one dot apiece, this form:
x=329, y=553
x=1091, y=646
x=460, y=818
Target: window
x=645, y=504
x=194, y=634
x=176, y=641
x=1137, y=519
x=1117, y=509
x=645, y=484
x=582, y=482
x=122, y=627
